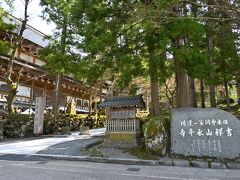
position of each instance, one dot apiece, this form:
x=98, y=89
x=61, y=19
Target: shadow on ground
x=70, y=148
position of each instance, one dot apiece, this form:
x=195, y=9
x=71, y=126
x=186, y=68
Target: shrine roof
x=123, y=102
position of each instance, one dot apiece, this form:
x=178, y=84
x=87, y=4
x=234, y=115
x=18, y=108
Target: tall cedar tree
x=128, y=37
x=58, y=53
x=133, y=38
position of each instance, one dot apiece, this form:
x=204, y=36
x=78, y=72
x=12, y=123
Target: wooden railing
x=122, y=125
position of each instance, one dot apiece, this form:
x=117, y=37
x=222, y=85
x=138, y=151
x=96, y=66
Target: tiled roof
x=30, y=32
x=123, y=101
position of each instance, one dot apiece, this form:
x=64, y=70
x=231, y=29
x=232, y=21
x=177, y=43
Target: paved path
x=54, y=143
x=70, y=148
x=74, y=170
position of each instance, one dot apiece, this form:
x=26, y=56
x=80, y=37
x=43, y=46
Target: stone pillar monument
x=71, y=107
x=39, y=115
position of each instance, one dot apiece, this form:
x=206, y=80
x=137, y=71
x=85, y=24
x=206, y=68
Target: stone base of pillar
x=122, y=139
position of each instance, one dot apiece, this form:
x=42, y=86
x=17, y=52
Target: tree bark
x=202, y=94
x=11, y=94
x=95, y=99
x=212, y=96
x=170, y=99
x=192, y=92
x=155, y=105
x=226, y=92
x=31, y=97
x=57, y=95
x=210, y=60
x=183, y=92
x=183, y=89
x=155, y=98
x=90, y=102
x=211, y=75
x=238, y=86
x=100, y=90
x=60, y=75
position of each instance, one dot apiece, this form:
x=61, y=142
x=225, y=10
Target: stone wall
x=62, y=126
x=15, y=125
x=19, y=125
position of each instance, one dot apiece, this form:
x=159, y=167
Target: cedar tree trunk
x=202, y=94
x=192, y=92
x=183, y=89
x=155, y=105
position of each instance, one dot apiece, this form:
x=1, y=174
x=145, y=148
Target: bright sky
x=34, y=12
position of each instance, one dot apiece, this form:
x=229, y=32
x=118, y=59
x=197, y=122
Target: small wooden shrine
x=122, y=127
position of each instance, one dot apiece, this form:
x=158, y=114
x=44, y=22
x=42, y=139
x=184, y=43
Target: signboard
x=205, y=132
x=122, y=113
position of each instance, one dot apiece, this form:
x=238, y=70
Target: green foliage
x=133, y=89
x=115, y=37
x=223, y=54
x=49, y=125
x=58, y=54
x=57, y=62
x=19, y=117
x=4, y=27
x=188, y=46
x=4, y=47
x=99, y=39
x=151, y=39
x=226, y=56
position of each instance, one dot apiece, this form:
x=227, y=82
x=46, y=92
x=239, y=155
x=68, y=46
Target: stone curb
x=93, y=144
x=181, y=163
x=199, y=164
x=162, y=162
x=100, y=159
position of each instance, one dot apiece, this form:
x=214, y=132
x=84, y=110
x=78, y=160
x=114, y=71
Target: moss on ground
x=141, y=153
x=233, y=109
x=93, y=151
